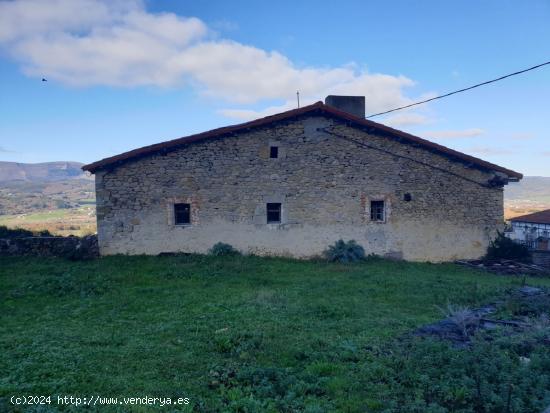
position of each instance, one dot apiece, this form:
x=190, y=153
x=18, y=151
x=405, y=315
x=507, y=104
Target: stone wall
x=541, y=258
x=67, y=247
x=324, y=183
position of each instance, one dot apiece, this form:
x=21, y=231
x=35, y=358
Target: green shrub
x=504, y=248
x=431, y=376
x=222, y=248
x=242, y=344
x=6, y=232
x=412, y=374
x=345, y=252
x=261, y=389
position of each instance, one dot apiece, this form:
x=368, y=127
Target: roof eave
x=116, y=160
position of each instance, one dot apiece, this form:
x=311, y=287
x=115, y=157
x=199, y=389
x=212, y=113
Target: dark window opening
x=273, y=213
x=182, y=214
x=377, y=211
x=273, y=151
x=407, y=197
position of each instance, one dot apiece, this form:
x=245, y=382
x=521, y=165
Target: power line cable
x=460, y=90
x=365, y=145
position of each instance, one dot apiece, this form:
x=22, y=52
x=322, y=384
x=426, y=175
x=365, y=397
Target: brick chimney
x=354, y=105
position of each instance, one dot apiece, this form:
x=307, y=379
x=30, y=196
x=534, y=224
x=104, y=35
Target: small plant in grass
x=243, y=344
x=221, y=249
x=504, y=248
x=345, y=252
x=463, y=317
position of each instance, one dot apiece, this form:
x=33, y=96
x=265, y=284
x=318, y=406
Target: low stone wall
x=541, y=258
x=67, y=247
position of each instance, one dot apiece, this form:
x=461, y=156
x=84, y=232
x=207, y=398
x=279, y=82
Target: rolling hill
x=531, y=194
x=530, y=188
x=57, y=196
x=60, y=197
x=47, y=171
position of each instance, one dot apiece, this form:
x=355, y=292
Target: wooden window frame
x=274, y=208
x=186, y=222
x=374, y=208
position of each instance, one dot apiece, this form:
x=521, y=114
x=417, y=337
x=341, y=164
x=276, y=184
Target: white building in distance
x=532, y=230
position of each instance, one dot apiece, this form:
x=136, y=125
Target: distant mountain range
x=33, y=188
x=43, y=172
x=529, y=195
x=529, y=189
x=57, y=196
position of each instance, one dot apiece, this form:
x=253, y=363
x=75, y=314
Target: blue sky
x=123, y=74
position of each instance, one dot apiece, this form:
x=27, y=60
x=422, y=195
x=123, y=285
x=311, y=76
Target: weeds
x=249, y=334
x=222, y=249
x=462, y=316
x=503, y=247
x=345, y=252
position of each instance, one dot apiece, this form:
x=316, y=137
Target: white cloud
x=28, y=18
x=248, y=114
x=489, y=151
x=521, y=136
x=406, y=119
x=120, y=43
x=450, y=134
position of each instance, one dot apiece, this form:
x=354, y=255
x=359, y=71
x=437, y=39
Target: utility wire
x=365, y=145
x=460, y=90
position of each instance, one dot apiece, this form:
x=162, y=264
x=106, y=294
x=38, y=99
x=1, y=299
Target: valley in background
x=57, y=196
x=60, y=197
x=531, y=194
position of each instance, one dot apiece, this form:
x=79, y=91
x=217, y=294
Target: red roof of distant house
x=318, y=107
x=541, y=217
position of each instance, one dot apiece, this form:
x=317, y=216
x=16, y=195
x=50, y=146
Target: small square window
x=377, y=211
x=182, y=214
x=273, y=213
x=273, y=152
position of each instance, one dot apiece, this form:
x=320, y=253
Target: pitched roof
x=316, y=108
x=541, y=217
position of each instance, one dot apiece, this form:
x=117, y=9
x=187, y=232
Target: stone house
x=293, y=183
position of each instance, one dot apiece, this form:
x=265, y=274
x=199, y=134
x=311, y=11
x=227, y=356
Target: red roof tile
x=541, y=217
x=319, y=108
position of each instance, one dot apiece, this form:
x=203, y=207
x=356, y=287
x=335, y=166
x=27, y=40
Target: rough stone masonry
x=330, y=171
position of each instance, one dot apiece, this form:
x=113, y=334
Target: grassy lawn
x=184, y=326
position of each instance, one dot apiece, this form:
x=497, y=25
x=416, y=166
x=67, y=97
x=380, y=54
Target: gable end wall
x=325, y=185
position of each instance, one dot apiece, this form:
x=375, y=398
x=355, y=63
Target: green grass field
x=65, y=221
x=237, y=334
